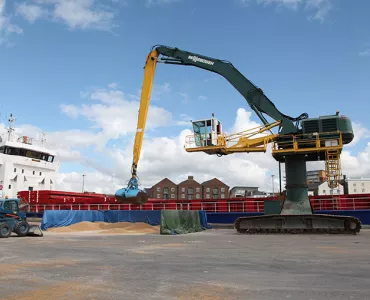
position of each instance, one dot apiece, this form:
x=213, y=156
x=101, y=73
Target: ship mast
x=43, y=139
x=11, y=127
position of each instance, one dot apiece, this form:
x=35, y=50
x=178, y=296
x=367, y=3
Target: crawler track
x=298, y=224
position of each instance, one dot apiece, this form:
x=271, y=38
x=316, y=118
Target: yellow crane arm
x=149, y=71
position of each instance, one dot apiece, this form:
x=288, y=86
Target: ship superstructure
x=25, y=165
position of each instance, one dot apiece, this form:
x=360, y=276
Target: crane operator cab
x=206, y=132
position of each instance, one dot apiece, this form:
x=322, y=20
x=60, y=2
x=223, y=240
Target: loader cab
x=9, y=206
x=206, y=131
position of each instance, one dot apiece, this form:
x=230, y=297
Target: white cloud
x=6, y=26
x=150, y=3
x=114, y=116
x=70, y=110
x=360, y=133
x=243, y=121
x=159, y=90
x=366, y=52
x=357, y=165
x=202, y=98
x=185, y=120
x=320, y=8
x=81, y=14
x=288, y=3
x=185, y=98
x=76, y=14
x=113, y=85
x=94, y=182
x=30, y=12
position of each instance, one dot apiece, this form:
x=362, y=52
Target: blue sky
x=308, y=56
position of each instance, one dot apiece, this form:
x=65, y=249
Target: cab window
x=11, y=205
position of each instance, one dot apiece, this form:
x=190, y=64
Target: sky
x=74, y=69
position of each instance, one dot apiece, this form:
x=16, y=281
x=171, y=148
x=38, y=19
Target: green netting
x=180, y=221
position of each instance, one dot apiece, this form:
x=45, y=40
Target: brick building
x=165, y=189
x=215, y=189
x=189, y=189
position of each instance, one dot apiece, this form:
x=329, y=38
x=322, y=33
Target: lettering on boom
x=202, y=60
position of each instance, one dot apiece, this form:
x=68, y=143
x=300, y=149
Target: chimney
x=191, y=177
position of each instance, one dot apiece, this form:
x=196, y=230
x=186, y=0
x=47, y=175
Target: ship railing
x=237, y=206
x=320, y=204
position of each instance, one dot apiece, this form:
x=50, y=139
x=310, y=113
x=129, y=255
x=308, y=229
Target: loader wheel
x=22, y=228
x=5, y=231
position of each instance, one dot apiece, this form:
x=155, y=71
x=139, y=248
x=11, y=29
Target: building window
x=222, y=190
x=354, y=190
x=183, y=196
x=33, y=172
x=22, y=171
x=197, y=196
x=40, y=173
x=158, y=189
x=190, y=191
x=207, y=196
x=172, y=189
x=183, y=190
x=222, y=195
x=190, y=197
x=165, y=193
x=198, y=190
x=363, y=190
x=208, y=190
x=15, y=169
x=324, y=191
x=158, y=196
x=173, y=196
x=10, y=186
x=354, y=184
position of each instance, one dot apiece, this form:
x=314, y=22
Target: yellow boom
x=149, y=70
x=132, y=194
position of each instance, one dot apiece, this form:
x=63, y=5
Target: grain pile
x=101, y=227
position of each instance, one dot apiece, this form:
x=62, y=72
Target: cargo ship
x=25, y=165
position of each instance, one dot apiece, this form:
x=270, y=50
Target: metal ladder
x=333, y=167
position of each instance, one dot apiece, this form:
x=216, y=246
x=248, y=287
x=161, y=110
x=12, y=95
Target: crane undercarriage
x=300, y=223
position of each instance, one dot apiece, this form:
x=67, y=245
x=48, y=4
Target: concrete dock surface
x=215, y=264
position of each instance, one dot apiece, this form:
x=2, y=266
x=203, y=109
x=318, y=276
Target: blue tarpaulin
x=152, y=217
x=60, y=218
x=203, y=219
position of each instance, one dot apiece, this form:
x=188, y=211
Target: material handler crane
x=297, y=141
